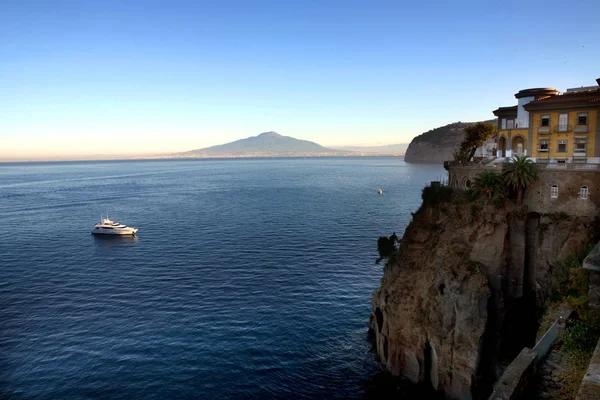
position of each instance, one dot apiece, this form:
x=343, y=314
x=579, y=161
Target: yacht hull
x=115, y=232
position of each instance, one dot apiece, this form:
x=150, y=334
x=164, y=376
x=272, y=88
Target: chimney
x=598, y=81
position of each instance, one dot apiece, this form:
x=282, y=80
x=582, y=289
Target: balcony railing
x=571, y=165
x=581, y=129
x=563, y=128
x=543, y=128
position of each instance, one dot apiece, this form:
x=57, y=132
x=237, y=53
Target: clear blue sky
x=124, y=77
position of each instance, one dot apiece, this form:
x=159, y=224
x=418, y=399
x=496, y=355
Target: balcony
x=562, y=128
x=543, y=128
x=581, y=129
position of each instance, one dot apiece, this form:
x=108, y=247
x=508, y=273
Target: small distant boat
x=379, y=191
x=108, y=227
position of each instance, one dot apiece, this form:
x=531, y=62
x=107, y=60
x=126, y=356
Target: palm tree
x=489, y=184
x=520, y=173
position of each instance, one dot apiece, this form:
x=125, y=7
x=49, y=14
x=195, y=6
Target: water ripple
x=249, y=278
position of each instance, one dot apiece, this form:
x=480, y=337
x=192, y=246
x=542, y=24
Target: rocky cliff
x=464, y=290
x=437, y=145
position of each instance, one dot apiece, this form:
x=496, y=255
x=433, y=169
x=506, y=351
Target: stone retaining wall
x=538, y=195
x=517, y=376
x=590, y=386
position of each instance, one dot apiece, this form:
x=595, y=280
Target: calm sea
x=248, y=278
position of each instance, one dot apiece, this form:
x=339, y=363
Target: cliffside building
x=552, y=127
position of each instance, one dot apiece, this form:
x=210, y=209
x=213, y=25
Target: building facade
x=552, y=127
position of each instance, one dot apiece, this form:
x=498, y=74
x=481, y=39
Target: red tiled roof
x=583, y=97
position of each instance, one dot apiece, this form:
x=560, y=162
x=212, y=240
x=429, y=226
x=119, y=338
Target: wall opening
x=532, y=241
x=427, y=364
x=379, y=319
x=502, y=146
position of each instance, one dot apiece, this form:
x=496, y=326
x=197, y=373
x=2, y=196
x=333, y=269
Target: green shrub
x=582, y=337
x=386, y=246
x=437, y=194
x=489, y=184
x=570, y=282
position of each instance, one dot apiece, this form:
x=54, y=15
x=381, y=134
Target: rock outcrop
x=463, y=291
x=437, y=145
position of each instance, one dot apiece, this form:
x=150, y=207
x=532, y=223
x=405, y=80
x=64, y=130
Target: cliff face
x=462, y=292
x=437, y=145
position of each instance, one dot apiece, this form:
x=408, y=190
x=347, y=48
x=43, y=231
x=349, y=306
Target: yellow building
x=552, y=127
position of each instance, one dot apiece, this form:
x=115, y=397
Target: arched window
x=583, y=192
x=554, y=192
x=468, y=184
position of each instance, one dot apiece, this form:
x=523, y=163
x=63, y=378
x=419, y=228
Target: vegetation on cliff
x=476, y=263
x=570, y=287
x=386, y=246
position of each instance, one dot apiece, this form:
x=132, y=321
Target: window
x=583, y=192
x=544, y=145
x=562, y=146
x=563, y=122
x=582, y=119
x=580, y=146
x=510, y=124
x=554, y=192
x=503, y=126
x=545, y=120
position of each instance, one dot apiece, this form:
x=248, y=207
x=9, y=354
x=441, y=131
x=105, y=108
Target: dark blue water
x=248, y=278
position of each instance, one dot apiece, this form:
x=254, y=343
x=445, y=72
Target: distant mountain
x=267, y=144
x=437, y=145
x=386, y=150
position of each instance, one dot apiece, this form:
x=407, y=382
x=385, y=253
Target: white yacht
x=108, y=227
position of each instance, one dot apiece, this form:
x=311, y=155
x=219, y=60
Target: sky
x=85, y=78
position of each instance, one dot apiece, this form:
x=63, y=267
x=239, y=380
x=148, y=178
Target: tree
x=520, y=173
x=489, y=184
x=475, y=136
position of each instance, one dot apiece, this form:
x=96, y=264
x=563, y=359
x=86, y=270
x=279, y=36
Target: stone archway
x=502, y=146
x=518, y=146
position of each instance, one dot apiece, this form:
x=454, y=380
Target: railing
x=562, y=128
x=567, y=165
x=544, y=344
x=540, y=162
x=581, y=129
x=543, y=128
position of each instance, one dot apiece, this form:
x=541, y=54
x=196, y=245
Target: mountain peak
x=270, y=134
x=267, y=144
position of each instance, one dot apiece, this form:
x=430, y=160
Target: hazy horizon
x=80, y=79
x=125, y=156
